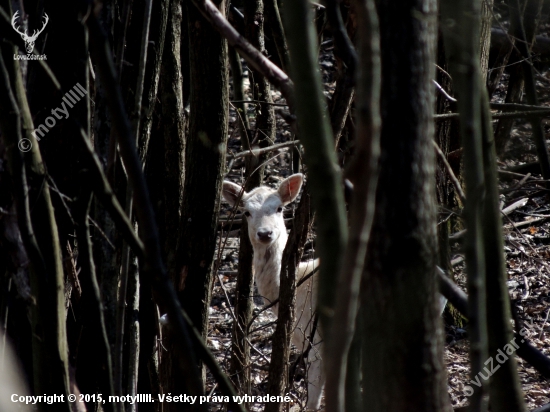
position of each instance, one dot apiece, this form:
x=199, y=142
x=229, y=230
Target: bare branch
x=252, y=56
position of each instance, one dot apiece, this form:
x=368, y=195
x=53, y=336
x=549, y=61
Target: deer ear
x=231, y=192
x=290, y=187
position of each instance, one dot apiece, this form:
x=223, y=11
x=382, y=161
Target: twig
x=260, y=101
x=527, y=223
x=257, y=152
x=101, y=232
x=513, y=174
x=443, y=91
x=526, y=285
x=544, y=323
x=343, y=47
x=444, y=71
x=514, y=206
x=452, y=175
x=518, y=185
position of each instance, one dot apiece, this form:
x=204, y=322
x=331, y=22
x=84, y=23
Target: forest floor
x=526, y=228
x=527, y=250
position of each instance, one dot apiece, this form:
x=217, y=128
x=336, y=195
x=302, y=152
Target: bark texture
x=407, y=373
x=205, y=157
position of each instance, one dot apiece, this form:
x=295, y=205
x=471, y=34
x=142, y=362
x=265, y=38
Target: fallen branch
x=257, y=152
x=526, y=223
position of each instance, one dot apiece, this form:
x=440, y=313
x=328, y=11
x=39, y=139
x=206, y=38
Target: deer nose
x=265, y=235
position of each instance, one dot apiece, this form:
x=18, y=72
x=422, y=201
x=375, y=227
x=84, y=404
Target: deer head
x=263, y=208
x=29, y=40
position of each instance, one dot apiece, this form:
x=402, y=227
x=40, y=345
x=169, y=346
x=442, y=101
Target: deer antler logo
x=29, y=40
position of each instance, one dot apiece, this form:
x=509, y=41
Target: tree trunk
x=278, y=368
x=47, y=313
x=277, y=32
x=170, y=165
x=485, y=37
x=403, y=343
x=264, y=132
x=524, y=18
x=205, y=161
x=325, y=181
x=462, y=52
x=263, y=135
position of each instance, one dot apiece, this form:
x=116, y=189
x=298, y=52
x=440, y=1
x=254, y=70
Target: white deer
x=29, y=40
x=263, y=208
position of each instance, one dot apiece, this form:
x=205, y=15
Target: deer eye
x=247, y=214
x=279, y=209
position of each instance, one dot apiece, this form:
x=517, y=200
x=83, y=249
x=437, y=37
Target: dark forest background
x=420, y=126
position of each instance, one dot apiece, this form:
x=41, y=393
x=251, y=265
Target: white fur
x=267, y=232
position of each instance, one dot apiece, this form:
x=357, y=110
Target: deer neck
x=267, y=267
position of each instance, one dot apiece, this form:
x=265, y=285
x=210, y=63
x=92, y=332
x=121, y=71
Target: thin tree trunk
x=240, y=351
x=159, y=21
x=127, y=258
x=238, y=93
x=174, y=134
x=240, y=356
x=205, y=160
x=94, y=333
x=171, y=165
x=505, y=387
x=363, y=172
x=133, y=326
x=278, y=368
x=346, y=56
x=524, y=18
x=277, y=31
x=353, y=394
x=324, y=182
x=525, y=27
x=485, y=37
x=264, y=131
x=462, y=51
x=50, y=354
x=107, y=245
